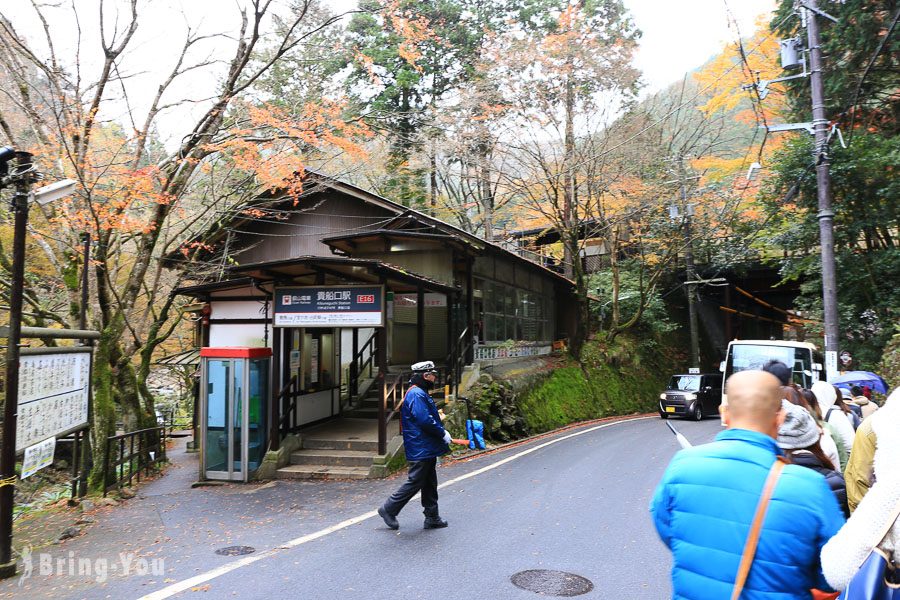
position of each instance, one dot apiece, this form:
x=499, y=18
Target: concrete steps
x=370, y=446
x=341, y=458
x=320, y=458
x=322, y=472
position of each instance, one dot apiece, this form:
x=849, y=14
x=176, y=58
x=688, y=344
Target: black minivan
x=695, y=395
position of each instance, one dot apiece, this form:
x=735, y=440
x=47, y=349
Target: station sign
x=329, y=306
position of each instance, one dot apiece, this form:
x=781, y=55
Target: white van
x=802, y=358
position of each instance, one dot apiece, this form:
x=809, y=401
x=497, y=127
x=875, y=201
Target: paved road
x=573, y=503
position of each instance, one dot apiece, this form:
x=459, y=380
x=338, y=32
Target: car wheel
x=663, y=415
x=698, y=411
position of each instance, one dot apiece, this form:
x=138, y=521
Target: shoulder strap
x=895, y=514
x=756, y=527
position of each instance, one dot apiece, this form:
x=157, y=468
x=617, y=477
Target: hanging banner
x=329, y=306
x=431, y=300
x=38, y=456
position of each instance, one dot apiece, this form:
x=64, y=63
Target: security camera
x=54, y=191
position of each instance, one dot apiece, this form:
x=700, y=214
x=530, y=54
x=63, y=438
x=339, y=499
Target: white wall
x=250, y=335
x=239, y=310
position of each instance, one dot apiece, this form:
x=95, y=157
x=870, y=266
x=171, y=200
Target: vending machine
x=234, y=393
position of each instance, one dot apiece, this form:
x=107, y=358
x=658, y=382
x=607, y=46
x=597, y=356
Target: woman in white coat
x=831, y=414
x=845, y=552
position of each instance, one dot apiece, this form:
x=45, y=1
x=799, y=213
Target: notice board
x=53, y=395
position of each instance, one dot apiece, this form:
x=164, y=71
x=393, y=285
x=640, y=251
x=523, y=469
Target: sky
x=681, y=35
x=678, y=36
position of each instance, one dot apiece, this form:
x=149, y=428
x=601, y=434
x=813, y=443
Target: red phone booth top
x=236, y=352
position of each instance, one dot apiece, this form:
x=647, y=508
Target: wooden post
x=275, y=390
x=381, y=353
x=451, y=349
x=470, y=310
x=420, y=324
x=354, y=366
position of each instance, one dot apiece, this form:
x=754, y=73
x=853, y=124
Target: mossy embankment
x=624, y=377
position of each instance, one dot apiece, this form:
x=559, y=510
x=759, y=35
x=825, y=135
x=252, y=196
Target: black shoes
x=390, y=520
x=434, y=523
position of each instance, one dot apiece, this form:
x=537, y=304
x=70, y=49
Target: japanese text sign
x=329, y=306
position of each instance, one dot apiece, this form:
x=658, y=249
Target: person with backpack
x=832, y=414
x=877, y=511
x=706, y=507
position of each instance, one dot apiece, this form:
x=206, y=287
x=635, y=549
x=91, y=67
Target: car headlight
x=662, y=396
x=690, y=397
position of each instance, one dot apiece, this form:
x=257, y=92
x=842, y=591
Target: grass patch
x=610, y=380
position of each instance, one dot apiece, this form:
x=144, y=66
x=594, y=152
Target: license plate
x=670, y=409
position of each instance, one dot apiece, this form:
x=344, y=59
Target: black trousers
x=422, y=476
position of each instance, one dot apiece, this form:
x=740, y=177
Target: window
x=511, y=313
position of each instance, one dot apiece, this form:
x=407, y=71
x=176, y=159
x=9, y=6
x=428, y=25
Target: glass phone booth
x=233, y=403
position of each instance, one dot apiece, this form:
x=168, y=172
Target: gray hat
x=799, y=429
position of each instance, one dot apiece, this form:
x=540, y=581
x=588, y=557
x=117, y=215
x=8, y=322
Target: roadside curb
x=473, y=454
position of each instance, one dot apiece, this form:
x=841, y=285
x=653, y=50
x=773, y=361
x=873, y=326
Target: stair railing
x=287, y=399
x=456, y=360
x=358, y=365
x=392, y=395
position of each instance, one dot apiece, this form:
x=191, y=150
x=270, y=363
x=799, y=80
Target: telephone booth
x=233, y=404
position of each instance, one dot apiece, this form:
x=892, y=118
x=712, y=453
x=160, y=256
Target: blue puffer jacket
x=423, y=432
x=705, y=503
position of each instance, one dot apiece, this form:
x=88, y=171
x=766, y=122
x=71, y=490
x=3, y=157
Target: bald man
x=704, y=505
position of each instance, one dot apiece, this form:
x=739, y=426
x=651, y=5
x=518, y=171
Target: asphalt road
x=577, y=506
x=574, y=502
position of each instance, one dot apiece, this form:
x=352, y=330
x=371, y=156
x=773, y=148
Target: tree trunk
x=570, y=250
x=103, y=408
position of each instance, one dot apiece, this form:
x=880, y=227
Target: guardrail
x=128, y=455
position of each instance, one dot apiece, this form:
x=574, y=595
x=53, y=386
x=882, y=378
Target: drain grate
x=235, y=550
x=552, y=583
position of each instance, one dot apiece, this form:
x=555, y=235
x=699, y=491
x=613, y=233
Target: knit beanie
x=799, y=429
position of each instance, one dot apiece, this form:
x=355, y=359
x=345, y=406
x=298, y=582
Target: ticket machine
x=234, y=394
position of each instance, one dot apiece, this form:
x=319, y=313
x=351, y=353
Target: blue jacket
x=423, y=432
x=705, y=503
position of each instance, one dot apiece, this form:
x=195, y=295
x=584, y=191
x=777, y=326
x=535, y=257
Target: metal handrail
x=148, y=440
x=285, y=418
x=357, y=369
x=456, y=360
x=391, y=393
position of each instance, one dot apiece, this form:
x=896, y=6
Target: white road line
x=181, y=586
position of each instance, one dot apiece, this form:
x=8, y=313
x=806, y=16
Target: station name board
x=329, y=306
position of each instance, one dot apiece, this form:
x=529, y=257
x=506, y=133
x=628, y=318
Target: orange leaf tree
x=137, y=199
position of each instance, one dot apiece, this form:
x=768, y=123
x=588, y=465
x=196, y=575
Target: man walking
x=705, y=504
x=424, y=439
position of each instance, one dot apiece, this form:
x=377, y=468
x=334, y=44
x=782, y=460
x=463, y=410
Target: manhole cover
x=235, y=550
x=552, y=583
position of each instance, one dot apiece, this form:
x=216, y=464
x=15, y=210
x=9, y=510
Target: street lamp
x=22, y=177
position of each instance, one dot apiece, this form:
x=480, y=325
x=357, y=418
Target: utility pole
x=823, y=184
x=691, y=279
x=24, y=176
x=690, y=283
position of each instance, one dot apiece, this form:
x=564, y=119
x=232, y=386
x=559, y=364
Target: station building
x=347, y=289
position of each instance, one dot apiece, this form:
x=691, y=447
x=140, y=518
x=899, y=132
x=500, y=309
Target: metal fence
x=129, y=455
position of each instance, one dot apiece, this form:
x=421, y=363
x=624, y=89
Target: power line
x=865, y=74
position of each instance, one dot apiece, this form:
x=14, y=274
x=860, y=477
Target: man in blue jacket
x=424, y=439
x=706, y=501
